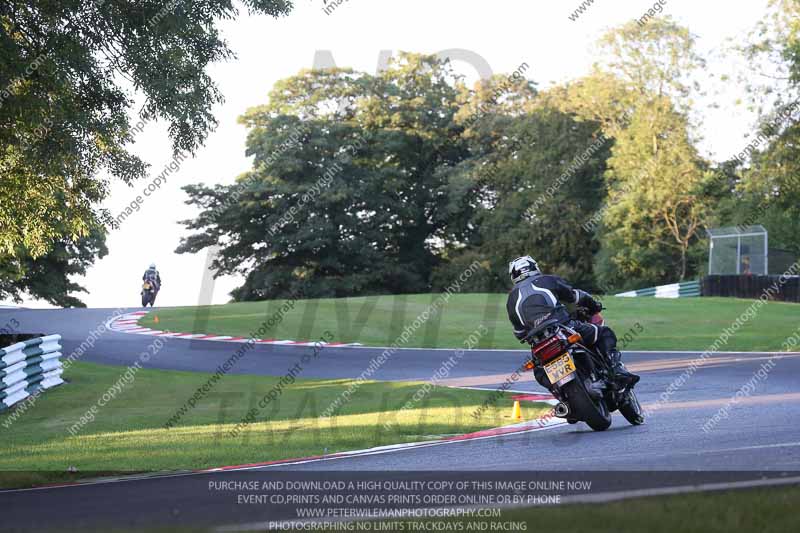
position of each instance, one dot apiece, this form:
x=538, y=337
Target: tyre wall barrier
x=29, y=366
x=685, y=289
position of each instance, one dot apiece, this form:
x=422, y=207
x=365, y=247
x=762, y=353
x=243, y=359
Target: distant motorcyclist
x=152, y=275
x=535, y=297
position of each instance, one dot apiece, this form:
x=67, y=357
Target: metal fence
x=738, y=250
x=787, y=288
x=27, y=367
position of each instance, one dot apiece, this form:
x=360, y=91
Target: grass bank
x=128, y=435
x=649, y=323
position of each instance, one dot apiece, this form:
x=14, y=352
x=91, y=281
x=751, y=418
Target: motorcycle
x=579, y=377
x=149, y=291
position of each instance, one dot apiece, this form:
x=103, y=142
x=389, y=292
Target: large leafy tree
x=360, y=203
x=69, y=73
x=641, y=93
x=535, y=175
x=48, y=276
x=656, y=212
x=398, y=182
x=770, y=183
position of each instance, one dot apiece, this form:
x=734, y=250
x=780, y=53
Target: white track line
x=129, y=323
x=379, y=450
x=756, y=447
x=547, y=423
x=132, y=318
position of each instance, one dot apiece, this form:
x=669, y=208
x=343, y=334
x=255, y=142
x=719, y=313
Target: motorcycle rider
x=152, y=275
x=535, y=297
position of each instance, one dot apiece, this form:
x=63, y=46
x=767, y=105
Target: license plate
x=560, y=368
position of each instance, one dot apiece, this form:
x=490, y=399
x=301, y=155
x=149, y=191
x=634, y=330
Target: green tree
x=651, y=213
x=537, y=175
x=359, y=203
x=69, y=71
x=642, y=95
x=770, y=174
x=47, y=277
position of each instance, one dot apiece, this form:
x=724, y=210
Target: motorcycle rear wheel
x=594, y=413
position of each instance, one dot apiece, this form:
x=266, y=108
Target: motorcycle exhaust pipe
x=561, y=410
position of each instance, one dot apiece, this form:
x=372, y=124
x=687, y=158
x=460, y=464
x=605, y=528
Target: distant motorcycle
x=578, y=376
x=149, y=291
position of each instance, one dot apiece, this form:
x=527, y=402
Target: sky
x=502, y=36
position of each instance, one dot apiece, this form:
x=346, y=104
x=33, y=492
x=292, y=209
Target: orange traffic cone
x=516, y=413
x=155, y=319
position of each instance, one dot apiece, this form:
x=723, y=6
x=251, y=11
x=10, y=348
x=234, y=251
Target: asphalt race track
x=760, y=437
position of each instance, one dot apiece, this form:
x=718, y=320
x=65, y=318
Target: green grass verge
x=663, y=324
x=770, y=510
x=128, y=434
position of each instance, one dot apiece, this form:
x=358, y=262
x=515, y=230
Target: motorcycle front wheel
x=148, y=298
x=594, y=413
x=631, y=409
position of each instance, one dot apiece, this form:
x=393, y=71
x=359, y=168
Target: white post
x=710, y=255
x=738, y=254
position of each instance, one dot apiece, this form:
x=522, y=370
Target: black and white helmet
x=522, y=267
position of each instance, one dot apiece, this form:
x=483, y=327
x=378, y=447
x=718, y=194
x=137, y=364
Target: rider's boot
x=622, y=375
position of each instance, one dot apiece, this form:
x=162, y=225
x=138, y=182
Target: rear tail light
x=548, y=349
x=575, y=337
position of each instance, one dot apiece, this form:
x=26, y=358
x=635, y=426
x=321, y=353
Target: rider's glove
x=584, y=299
x=594, y=306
